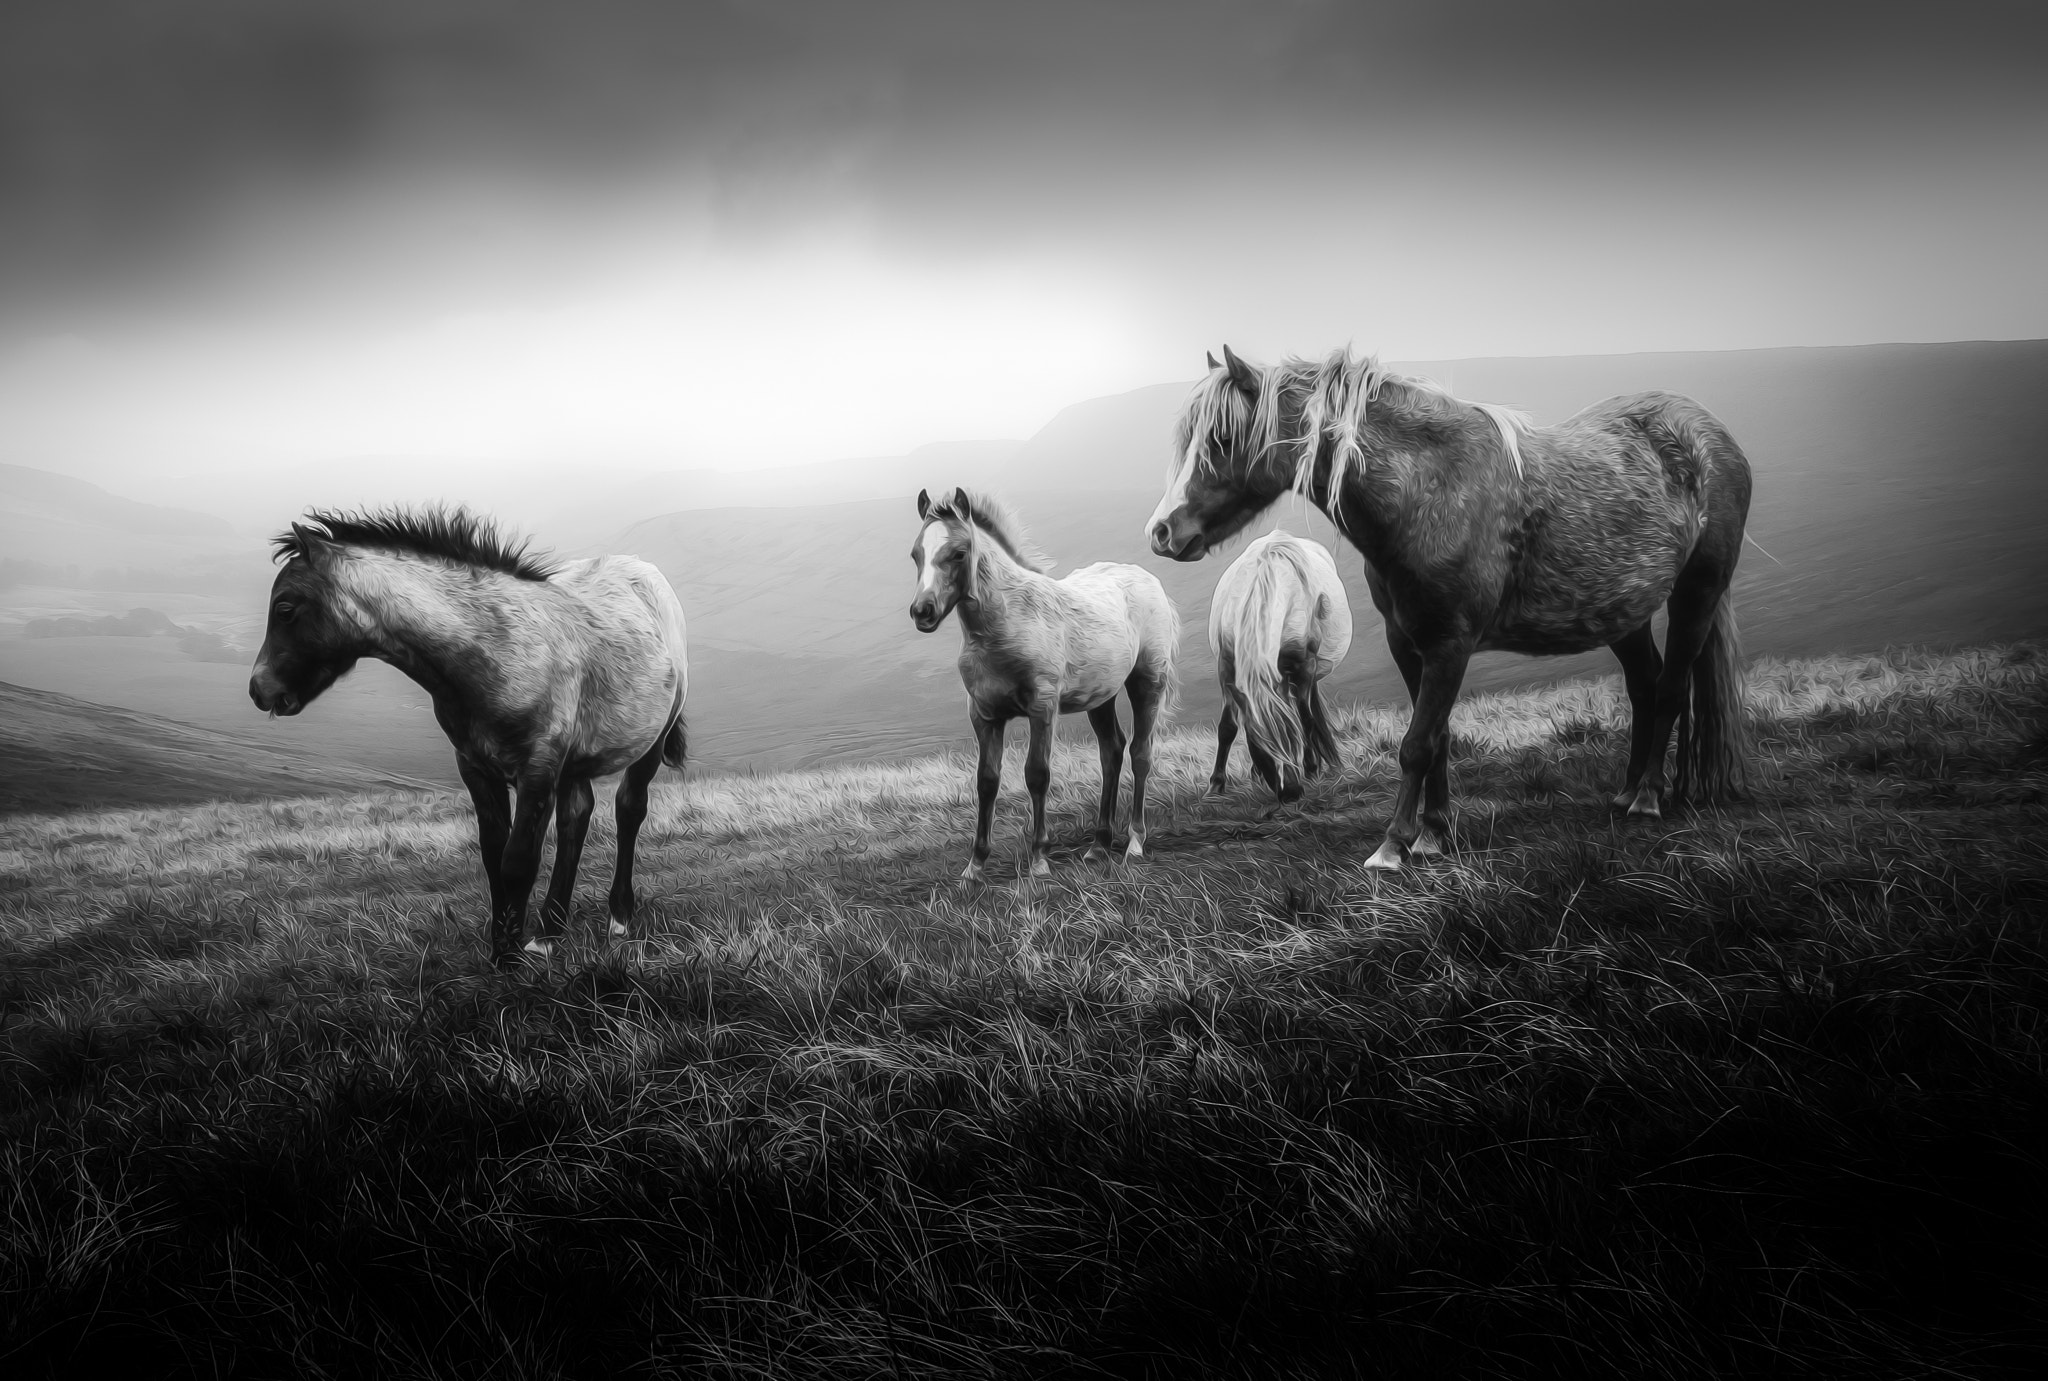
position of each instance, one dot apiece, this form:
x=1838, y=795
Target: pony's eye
x=285, y=610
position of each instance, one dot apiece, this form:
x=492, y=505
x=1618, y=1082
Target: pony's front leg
x=572, y=820
x=1109, y=739
x=493, y=823
x=535, y=799
x=1226, y=735
x=1037, y=778
x=631, y=806
x=988, y=779
x=1425, y=752
x=1436, y=797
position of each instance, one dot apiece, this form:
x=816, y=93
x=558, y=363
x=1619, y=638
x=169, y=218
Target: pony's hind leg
x=631, y=808
x=572, y=819
x=1145, y=697
x=1319, y=744
x=1692, y=608
x=1109, y=738
x=1641, y=666
x=1226, y=735
x=988, y=780
x=1268, y=770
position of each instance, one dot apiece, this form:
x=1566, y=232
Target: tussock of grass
x=1758, y=1091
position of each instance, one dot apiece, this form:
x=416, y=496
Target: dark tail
x=1713, y=728
x=675, y=745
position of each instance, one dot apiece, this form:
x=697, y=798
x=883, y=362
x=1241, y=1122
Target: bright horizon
x=745, y=236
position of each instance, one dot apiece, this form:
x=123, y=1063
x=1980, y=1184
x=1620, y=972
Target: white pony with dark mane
x=1040, y=648
x=1278, y=625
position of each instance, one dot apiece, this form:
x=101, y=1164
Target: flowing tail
x=675, y=744
x=1264, y=706
x=1713, y=727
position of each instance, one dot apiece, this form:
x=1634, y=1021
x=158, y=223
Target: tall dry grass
x=1750, y=1092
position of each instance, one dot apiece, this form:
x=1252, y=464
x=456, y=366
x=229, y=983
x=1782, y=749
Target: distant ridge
x=65, y=754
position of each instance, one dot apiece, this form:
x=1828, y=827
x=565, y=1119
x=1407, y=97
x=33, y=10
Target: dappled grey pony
x=1279, y=623
x=1041, y=648
x=542, y=677
x=1481, y=532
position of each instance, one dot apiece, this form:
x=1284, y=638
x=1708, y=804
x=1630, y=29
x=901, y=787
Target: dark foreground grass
x=1752, y=1092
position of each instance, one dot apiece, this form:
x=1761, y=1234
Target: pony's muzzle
x=1166, y=542
x=924, y=612
x=273, y=699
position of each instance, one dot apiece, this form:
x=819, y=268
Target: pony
x=1481, y=531
x=1279, y=623
x=542, y=676
x=1041, y=648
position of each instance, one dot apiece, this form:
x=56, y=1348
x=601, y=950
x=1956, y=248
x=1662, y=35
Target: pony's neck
x=996, y=577
x=407, y=612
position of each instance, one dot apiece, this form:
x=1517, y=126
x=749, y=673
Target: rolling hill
x=64, y=754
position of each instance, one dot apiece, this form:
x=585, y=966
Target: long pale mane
x=1346, y=386
x=1336, y=394
x=995, y=517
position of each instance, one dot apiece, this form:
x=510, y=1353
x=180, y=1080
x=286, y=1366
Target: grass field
x=1742, y=1093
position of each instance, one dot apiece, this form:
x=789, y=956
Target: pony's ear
x=316, y=548
x=962, y=506
x=1241, y=374
x=1210, y=355
x=924, y=504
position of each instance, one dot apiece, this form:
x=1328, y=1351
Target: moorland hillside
x=1755, y=1091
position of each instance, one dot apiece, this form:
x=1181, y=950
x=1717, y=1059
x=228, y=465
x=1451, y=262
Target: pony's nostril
x=1160, y=535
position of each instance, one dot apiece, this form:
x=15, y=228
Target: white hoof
x=1387, y=860
x=543, y=948
x=1096, y=854
x=618, y=929
x=971, y=873
x=1041, y=868
x=1135, y=850
x=1426, y=845
x=1645, y=807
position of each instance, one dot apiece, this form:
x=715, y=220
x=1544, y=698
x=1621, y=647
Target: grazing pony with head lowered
x=1041, y=648
x=1279, y=624
x=542, y=676
x=1480, y=531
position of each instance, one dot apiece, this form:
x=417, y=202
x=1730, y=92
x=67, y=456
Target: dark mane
x=996, y=518
x=455, y=535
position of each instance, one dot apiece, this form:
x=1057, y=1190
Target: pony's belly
x=1565, y=626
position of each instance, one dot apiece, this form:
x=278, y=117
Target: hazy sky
x=666, y=234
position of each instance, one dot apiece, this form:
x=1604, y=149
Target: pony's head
x=1225, y=468
x=958, y=537
x=308, y=641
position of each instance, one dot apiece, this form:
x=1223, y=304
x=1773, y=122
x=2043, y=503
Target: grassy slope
x=1749, y=1092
